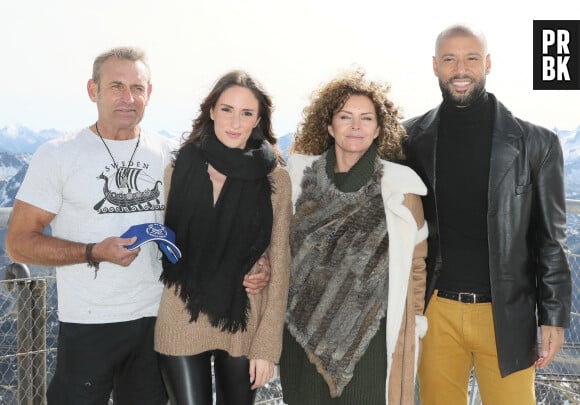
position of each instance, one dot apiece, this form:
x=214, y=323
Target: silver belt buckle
x=473, y=295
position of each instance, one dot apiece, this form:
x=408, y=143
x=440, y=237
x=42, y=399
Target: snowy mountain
x=17, y=143
x=571, y=146
x=12, y=170
x=11, y=163
x=19, y=139
x=9, y=188
x=570, y=143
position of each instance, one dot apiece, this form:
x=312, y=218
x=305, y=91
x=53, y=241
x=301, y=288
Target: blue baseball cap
x=159, y=233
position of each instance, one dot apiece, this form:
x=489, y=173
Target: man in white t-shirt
x=90, y=187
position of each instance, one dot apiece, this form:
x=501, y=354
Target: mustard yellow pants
x=461, y=337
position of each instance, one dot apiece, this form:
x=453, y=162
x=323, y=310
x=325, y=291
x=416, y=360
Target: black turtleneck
x=462, y=175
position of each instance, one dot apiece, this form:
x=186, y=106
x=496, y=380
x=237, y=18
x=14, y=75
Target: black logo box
x=573, y=62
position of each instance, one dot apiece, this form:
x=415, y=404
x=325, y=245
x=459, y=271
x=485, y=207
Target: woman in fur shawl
x=358, y=241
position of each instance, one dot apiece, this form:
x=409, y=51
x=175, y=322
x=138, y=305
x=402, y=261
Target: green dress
x=303, y=385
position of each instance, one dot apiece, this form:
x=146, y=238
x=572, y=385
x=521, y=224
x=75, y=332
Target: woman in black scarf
x=229, y=203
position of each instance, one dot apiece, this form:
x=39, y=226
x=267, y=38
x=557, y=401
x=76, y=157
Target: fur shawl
x=338, y=291
x=400, y=188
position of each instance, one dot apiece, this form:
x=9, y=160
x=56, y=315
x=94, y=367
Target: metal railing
x=25, y=351
x=573, y=207
x=29, y=329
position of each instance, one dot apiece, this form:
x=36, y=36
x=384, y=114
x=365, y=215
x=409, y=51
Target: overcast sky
x=48, y=47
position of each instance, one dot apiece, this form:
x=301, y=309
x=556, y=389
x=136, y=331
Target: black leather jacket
x=526, y=222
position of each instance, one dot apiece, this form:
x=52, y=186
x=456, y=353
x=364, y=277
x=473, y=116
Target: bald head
x=459, y=30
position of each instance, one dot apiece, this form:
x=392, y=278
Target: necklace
x=123, y=174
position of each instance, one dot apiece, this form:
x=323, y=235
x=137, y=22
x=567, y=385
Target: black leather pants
x=188, y=379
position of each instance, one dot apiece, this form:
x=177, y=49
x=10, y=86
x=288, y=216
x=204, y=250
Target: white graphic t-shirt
x=94, y=197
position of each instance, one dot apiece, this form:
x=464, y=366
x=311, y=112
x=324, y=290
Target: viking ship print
x=122, y=190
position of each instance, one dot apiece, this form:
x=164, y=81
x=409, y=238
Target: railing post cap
x=16, y=271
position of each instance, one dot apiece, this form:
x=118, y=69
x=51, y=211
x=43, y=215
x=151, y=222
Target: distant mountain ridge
x=17, y=143
x=570, y=140
x=19, y=139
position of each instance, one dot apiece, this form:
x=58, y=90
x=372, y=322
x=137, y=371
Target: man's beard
x=464, y=99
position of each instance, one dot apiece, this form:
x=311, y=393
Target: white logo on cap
x=156, y=230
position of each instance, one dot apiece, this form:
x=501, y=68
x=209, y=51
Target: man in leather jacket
x=497, y=264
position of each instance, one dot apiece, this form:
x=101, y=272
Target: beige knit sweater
x=175, y=335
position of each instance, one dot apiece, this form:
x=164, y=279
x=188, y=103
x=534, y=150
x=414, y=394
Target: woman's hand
x=255, y=283
x=261, y=371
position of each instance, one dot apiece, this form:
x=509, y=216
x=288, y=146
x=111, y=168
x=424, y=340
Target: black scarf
x=220, y=243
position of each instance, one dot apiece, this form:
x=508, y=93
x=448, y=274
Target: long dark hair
x=203, y=124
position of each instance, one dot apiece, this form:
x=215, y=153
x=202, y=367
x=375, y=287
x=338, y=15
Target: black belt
x=464, y=297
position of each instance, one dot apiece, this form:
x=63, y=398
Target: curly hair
x=203, y=124
x=312, y=137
